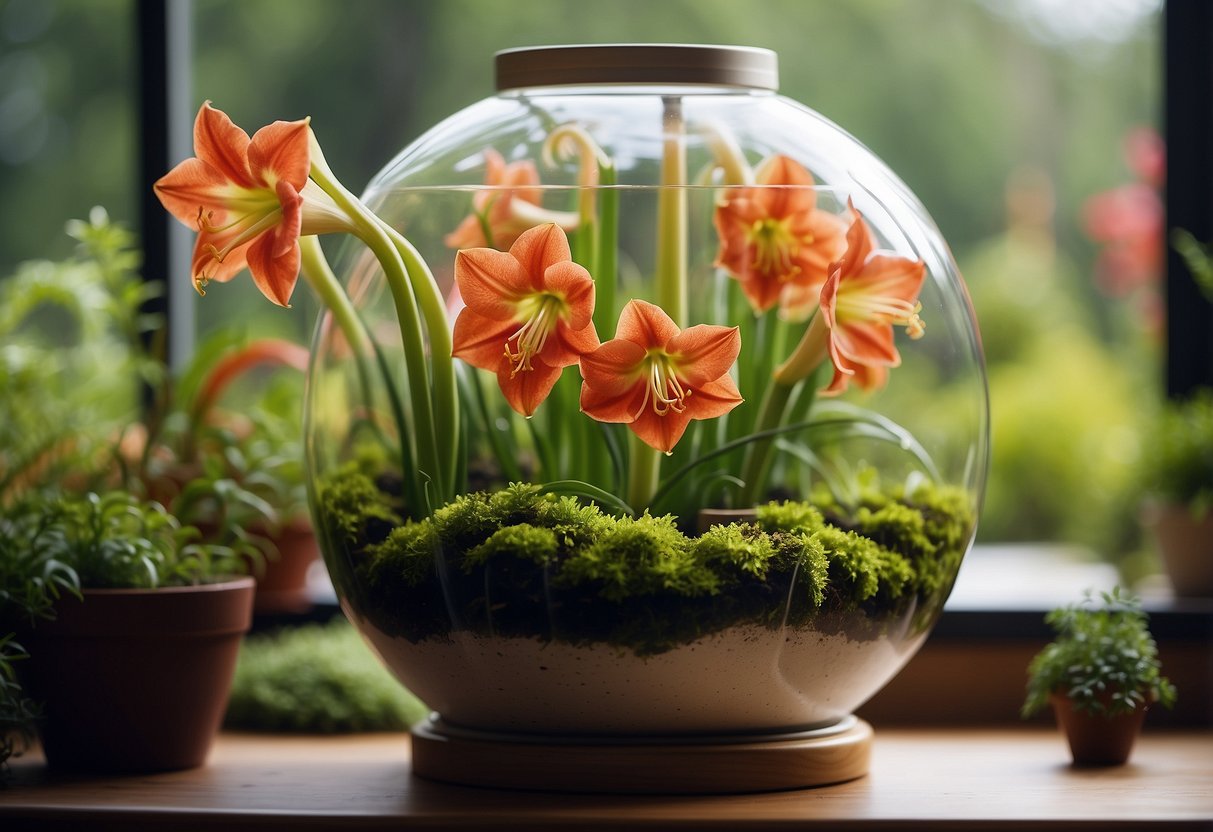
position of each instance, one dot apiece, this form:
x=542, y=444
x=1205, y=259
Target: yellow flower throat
x=540, y=313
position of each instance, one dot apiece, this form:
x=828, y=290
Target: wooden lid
x=637, y=63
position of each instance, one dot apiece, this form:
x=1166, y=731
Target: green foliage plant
x=72, y=357
x=54, y=544
x=1104, y=659
x=1177, y=463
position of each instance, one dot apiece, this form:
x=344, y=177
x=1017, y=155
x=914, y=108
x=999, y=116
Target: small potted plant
x=1101, y=674
x=132, y=629
x=238, y=475
x=1178, y=479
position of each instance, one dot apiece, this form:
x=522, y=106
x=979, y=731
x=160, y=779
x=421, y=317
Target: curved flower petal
x=859, y=244
x=189, y=187
x=491, y=282
x=891, y=276
x=715, y=398
x=540, y=247
x=796, y=194
x=520, y=179
x=468, y=234
x=869, y=344
x=273, y=258
x=221, y=144
x=220, y=271
x=612, y=405
x=645, y=324
x=279, y=151
x=572, y=282
x=480, y=341
x=704, y=352
x=493, y=207
x=274, y=273
x=614, y=367
x=526, y=391
x=660, y=431
x=866, y=377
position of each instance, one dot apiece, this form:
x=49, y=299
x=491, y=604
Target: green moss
x=524, y=542
x=642, y=556
x=357, y=512
x=521, y=562
x=317, y=679
x=931, y=525
x=406, y=555
x=742, y=549
x=790, y=516
x=859, y=568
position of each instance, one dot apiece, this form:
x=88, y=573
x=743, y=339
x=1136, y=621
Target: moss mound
x=520, y=562
x=317, y=679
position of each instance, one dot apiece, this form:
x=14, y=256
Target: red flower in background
x=1128, y=220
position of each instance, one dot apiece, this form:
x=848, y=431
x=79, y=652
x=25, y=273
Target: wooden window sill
x=921, y=779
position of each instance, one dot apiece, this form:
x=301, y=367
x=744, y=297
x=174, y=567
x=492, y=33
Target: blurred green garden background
x=1005, y=117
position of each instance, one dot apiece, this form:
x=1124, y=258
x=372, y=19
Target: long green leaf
x=859, y=423
x=584, y=489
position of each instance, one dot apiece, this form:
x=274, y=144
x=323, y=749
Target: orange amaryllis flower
x=866, y=294
x=493, y=222
x=250, y=200
x=528, y=313
x=656, y=378
x=775, y=241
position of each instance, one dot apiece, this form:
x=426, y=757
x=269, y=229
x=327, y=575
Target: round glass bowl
x=712, y=442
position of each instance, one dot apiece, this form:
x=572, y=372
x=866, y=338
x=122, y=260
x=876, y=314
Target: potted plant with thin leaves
x=132, y=629
x=1177, y=477
x=237, y=473
x=77, y=344
x=1101, y=674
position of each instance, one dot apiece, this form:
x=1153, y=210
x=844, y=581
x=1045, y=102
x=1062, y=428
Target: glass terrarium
x=677, y=427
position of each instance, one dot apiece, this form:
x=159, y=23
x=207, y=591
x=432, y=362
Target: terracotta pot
x=1185, y=542
x=282, y=579
x=1097, y=739
x=281, y=575
x=136, y=680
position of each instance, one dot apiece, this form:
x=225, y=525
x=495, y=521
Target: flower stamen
x=775, y=247
x=855, y=306
x=663, y=389
x=529, y=339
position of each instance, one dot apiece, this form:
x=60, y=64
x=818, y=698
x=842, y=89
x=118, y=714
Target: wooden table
x=921, y=779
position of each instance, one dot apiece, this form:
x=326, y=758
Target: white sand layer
x=743, y=679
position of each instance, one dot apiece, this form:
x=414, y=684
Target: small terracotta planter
x=136, y=680
x=282, y=585
x=1097, y=739
x=1185, y=544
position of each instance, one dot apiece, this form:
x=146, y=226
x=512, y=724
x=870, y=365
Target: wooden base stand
x=642, y=765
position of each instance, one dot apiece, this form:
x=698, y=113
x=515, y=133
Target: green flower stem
x=645, y=463
x=605, y=237
x=644, y=468
x=606, y=277
x=805, y=362
x=757, y=455
x=672, y=216
x=368, y=229
x=324, y=283
x=438, y=327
